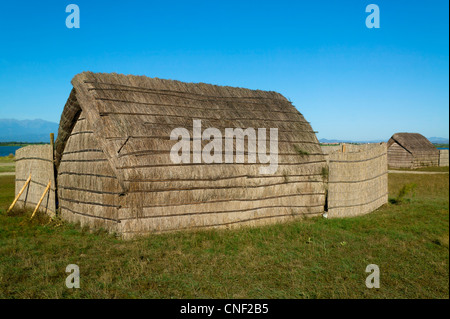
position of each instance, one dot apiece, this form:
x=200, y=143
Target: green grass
x=7, y=159
x=313, y=258
x=6, y=192
x=424, y=169
x=4, y=169
x=20, y=143
x=7, y=164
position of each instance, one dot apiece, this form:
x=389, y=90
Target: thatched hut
x=411, y=150
x=114, y=169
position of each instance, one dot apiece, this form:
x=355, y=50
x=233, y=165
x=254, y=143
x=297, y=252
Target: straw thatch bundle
x=411, y=150
x=114, y=168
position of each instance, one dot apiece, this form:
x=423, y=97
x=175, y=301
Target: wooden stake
x=20, y=193
x=52, y=144
x=42, y=198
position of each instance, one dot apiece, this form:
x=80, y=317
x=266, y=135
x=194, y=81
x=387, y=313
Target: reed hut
x=114, y=169
x=411, y=150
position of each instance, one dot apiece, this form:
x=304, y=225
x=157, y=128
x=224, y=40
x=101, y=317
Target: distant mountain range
x=434, y=140
x=438, y=140
x=31, y=131
x=325, y=141
x=34, y=131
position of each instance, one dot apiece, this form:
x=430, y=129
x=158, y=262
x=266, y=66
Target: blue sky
x=349, y=81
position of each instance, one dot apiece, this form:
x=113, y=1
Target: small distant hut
x=411, y=150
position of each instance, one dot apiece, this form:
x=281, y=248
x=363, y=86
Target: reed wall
x=443, y=157
x=357, y=180
x=37, y=161
x=327, y=150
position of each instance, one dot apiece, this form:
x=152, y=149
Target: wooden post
x=343, y=148
x=18, y=195
x=42, y=198
x=52, y=144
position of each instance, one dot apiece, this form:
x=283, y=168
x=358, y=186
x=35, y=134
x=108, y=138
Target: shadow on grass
x=406, y=193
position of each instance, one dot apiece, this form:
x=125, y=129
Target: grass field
x=313, y=258
x=7, y=164
x=423, y=169
x=6, y=159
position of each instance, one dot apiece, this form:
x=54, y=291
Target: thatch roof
x=132, y=117
x=414, y=143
